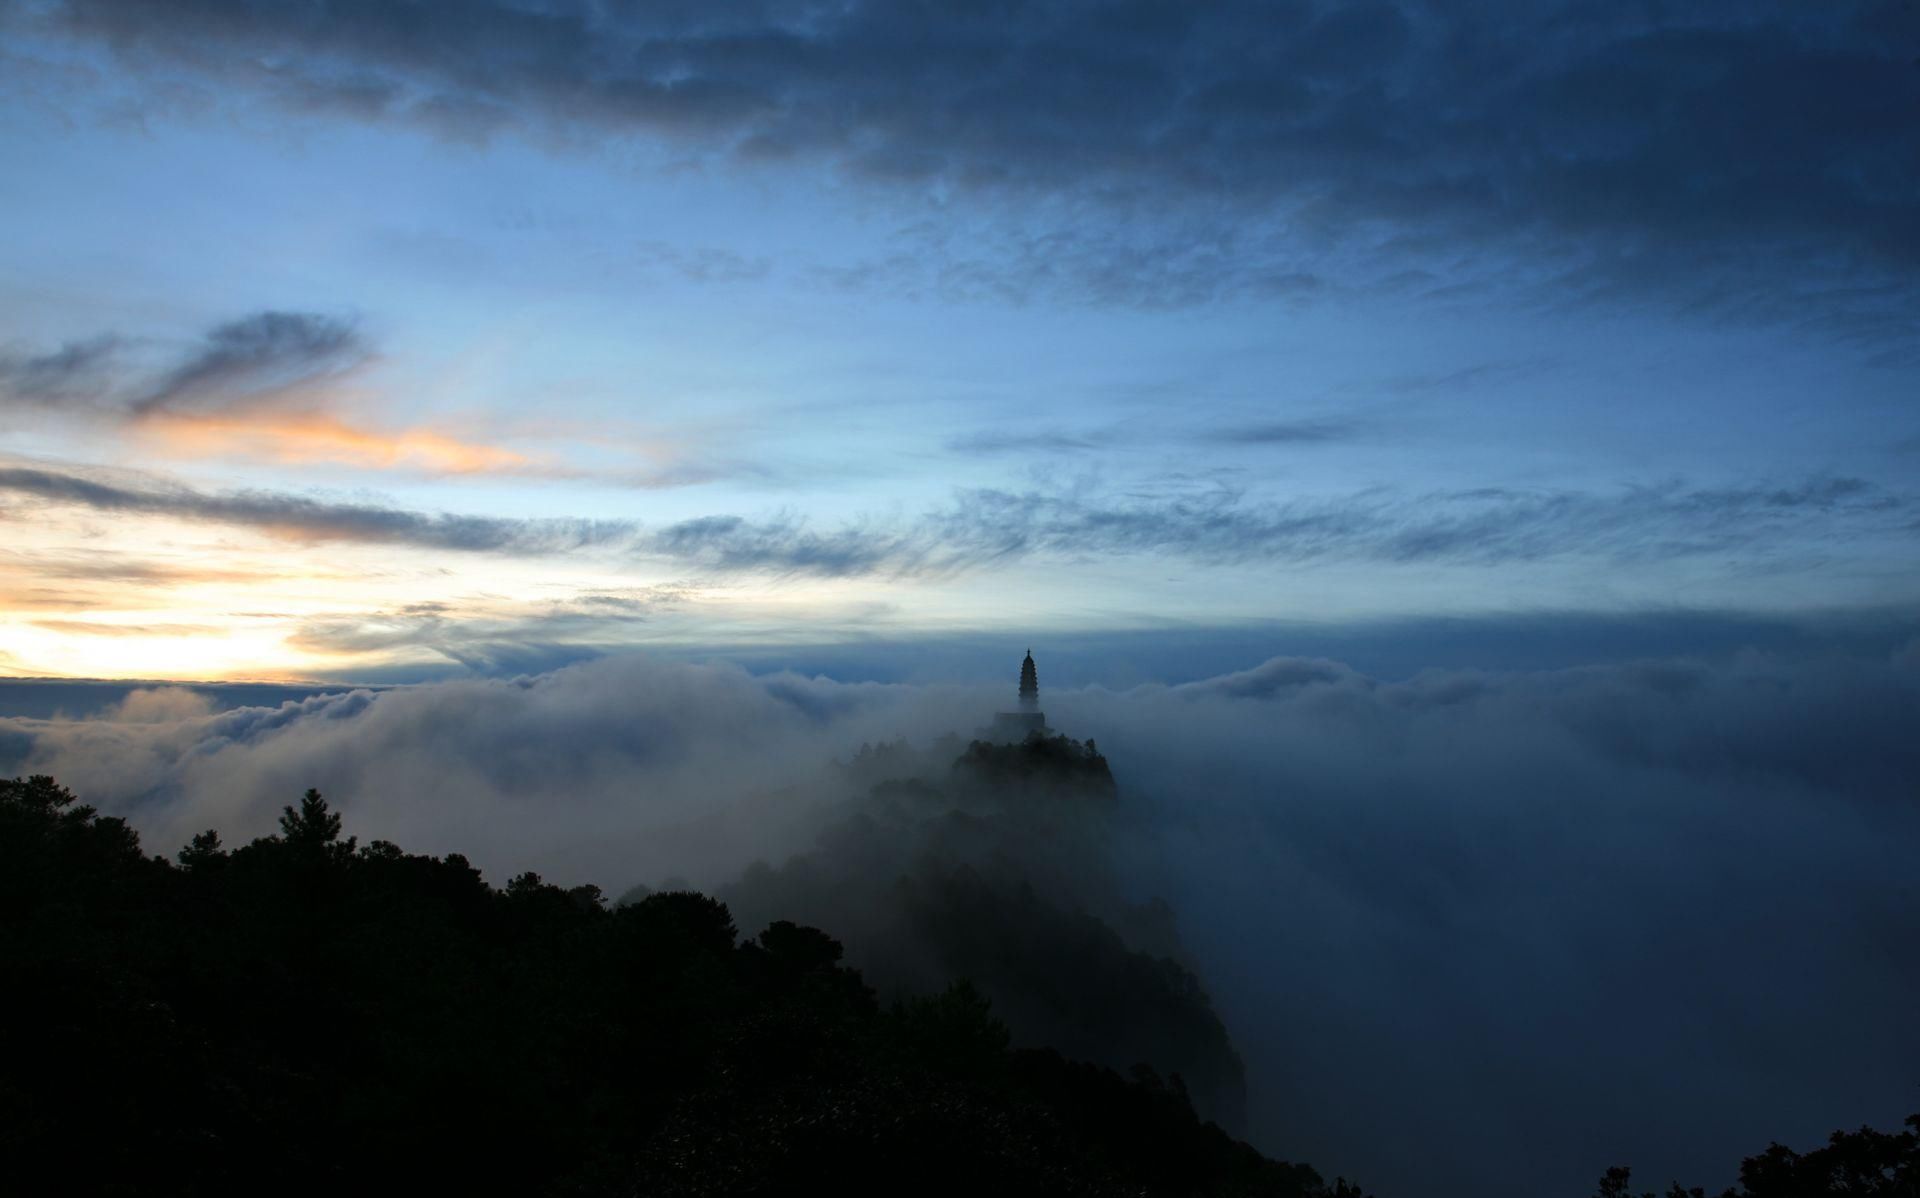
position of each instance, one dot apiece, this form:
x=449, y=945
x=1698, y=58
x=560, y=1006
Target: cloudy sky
x=360, y=340
x=1462, y=460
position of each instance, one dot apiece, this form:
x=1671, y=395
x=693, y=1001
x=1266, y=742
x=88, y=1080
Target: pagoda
x=1029, y=720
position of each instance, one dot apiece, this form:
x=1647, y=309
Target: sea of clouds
x=1473, y=933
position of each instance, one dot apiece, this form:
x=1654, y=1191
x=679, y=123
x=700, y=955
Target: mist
x=1469, y=932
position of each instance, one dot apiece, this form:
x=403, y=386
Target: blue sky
x=348, y=339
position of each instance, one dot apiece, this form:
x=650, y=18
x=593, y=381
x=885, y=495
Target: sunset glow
x=385, y=393
x=313, y=438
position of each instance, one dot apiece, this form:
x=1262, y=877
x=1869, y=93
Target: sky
x=1461, y=460
x=391, y=342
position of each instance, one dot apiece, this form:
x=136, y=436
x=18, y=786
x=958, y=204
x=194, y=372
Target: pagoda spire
x=1017, y=727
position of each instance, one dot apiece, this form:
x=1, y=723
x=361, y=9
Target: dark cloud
x=1480, y=527
x=1096, y=261
x=276, y=365
x=1050, y=442
x=1000, y=441
x=785, y=546
x=1773, y=527
x=1537, y=923
x=1755, y=161
x=303, y=519
x=76, y=372
x=257, y=355
x=1286, y=432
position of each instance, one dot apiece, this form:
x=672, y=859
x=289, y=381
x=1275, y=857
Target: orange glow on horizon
x=314, y=437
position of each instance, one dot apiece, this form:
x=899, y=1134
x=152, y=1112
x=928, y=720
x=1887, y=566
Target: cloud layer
x=1484, y=526
x=256, y=356
x=1515, y=926
x=1763, y=528
x=261, y=358
x=1755, y=161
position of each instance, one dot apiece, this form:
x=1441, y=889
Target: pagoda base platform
x=1015, y=726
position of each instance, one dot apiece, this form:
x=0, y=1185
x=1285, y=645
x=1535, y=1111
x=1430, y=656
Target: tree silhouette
x=203, y=851
x=314, y=825
x=1853, y=1164
x=455, y=1037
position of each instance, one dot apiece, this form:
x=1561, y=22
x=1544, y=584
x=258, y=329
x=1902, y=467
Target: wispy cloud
x=481, y=634
x=994, y=442
x=786, y=546
x=100, y=565
x=101, y=628
x=1489, y=526
x=74, y=373
x=701, y=264
x=1057, y=442
x=258, y=358
x=283, y=387
x=489, y=634
x=1285, y=432
x=982, y=527
x=298, y=518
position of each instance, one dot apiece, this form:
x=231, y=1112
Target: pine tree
x=314, y=827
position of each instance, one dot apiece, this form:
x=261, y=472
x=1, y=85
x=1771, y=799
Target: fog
x=1470, y=932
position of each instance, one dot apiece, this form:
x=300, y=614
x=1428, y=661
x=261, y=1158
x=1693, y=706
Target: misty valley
x=957, y=986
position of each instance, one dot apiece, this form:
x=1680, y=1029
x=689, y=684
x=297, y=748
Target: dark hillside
x=995, y=867
x=306, y=1015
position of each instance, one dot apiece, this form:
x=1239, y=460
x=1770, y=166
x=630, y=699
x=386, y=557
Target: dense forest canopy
x=304, y=1014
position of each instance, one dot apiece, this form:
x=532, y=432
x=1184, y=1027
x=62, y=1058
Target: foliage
x=302, y=1015
x=995, y=869
x=1059, y=764
x=1853, y=1164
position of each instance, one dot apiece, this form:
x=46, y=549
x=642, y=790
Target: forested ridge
x=305, y=1014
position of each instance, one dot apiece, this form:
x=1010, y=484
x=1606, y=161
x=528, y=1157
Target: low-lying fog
x=1470, y=933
